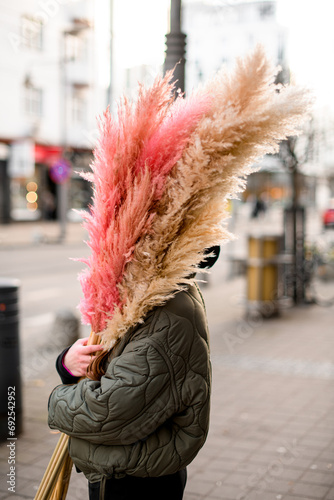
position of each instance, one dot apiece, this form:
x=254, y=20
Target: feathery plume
x=162, y=176
x=132, y=161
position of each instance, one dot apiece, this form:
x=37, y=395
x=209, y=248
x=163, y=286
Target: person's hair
x=97, y=367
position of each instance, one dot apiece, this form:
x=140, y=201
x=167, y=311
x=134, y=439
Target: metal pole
x=62, y=189
x=62, y=193
x=176, y=42
x=294, y=232
x=111, y=36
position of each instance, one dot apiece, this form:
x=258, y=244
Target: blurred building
x=218, y=32
x=54, y=67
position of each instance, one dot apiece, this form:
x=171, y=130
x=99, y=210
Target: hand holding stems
x=79, y=355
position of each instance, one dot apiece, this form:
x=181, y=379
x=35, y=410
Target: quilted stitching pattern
x=149, y=414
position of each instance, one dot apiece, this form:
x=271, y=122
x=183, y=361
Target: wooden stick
x=52, y=469
x=51, y=485
x=57, y=476
x=93, y=339
x=63, y=481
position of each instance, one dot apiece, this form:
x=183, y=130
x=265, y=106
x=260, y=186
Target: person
x=134, y=431
x=259, y=207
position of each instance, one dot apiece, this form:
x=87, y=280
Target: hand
x=79, y=356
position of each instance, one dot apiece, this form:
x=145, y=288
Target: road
x=49, y=283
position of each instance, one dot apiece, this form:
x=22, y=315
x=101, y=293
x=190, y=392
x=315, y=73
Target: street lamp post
x=294, y=223
x=62, y=188
x=176, y=42
x=111, y=58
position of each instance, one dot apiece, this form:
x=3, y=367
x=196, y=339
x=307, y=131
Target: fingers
x=82, y=341
x=88, y=348
x=79, y=356
x=92, y=348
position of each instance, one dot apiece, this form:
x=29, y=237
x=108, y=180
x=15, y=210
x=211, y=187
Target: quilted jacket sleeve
x=134, y=398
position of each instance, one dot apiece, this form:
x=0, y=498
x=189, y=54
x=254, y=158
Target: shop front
x=36, y=175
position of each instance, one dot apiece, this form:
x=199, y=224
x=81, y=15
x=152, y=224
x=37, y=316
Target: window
x=76, y=47
x=78, y=105
x=266, y=10
x=33, y=101
x=32, y=33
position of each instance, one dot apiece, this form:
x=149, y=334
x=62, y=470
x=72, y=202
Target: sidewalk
x=17, y=234
x=272, y=419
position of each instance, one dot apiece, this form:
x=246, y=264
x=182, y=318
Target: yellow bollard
x=262, y=275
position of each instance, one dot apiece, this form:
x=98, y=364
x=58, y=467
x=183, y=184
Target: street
x=49, y=284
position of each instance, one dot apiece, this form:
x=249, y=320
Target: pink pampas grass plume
x=132, y=161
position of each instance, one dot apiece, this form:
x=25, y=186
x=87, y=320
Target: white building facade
x=54, y=81
x=218, y=32
x=55, y=67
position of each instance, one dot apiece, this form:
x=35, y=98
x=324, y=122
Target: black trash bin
x=10, y=378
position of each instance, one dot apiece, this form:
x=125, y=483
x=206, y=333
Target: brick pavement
x=272, y=419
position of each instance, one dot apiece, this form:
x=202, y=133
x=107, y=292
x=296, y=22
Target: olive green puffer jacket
x=149, y=414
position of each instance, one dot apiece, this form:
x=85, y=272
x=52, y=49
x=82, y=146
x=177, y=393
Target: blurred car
x=328, y=218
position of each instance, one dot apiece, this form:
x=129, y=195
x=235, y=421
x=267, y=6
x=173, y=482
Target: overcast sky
x=311, y=38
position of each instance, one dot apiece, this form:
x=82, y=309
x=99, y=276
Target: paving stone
x=301, y=463
x=291, y=474
x=200, y=487
x=211, y=474
x=330, y=494
x=78, y=487
x=317, y=443
x=201, y=462
x=326, y=456
x=226, y=491
x=27, y=487
x=246, y=444
x=262, y=495
x=310, y=490
x=293, y=497
x=262, y=457
x=191, y=496
x=235, y=454
x=323, y=478
x=30, y=471
x=16, y=497
x=280, y=486
x=248, y=467
x=226, y=465
x=324, y=466
x=27, y=456
x=322, y=434
x=309, y=453
x=237, y=478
